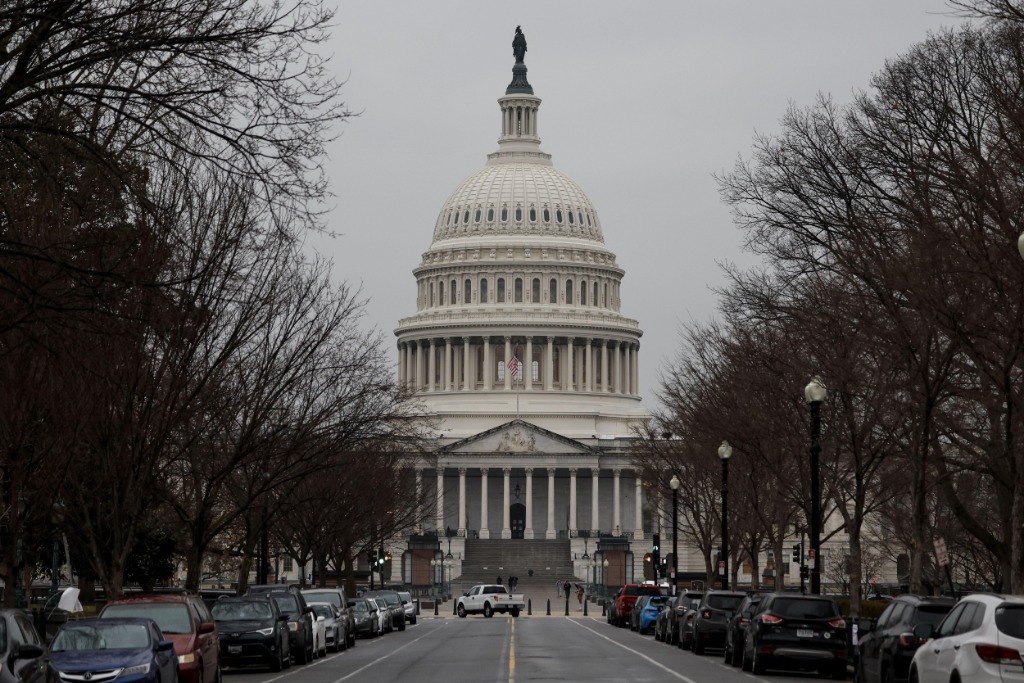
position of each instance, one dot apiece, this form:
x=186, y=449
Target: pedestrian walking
x=558, y=588
x=579, y=594
x=498, y=580
x=566, y=587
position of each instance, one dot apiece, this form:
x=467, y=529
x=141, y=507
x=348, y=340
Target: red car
x=185, y=621
x=626, y=598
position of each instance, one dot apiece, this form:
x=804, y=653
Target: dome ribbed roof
x=518, y=199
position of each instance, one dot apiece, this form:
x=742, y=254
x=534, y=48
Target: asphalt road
x=506, y=650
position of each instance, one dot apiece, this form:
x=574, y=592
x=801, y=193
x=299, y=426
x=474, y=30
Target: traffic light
x=380, y=557
x=798, y=553
x=656, y=550
x=371, y=558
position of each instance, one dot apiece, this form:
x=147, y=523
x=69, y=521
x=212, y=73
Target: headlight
x=293, y=626
x=265, y=631
x=187, y=659
x=132, y=670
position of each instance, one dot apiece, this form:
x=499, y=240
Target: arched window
x=519, y=213
x=569, y=299
x=535, y=294
x=453, y=290
x=571, y=221
x=499, y=359
x=519, y=290
x=483, y=290
x=467, y=291
x=547, y=216
x=440, y=294
x=490, y=215
x=501, y=290
x=456, y=218
x=558, y=215
x=465, y=216
x=449, y=218
x=553, y=291
x=504, y=214
x=593, y=301
x=431, y=293
x=476, y=218
x=583, y=293
x=606, y=295
x=533, y=215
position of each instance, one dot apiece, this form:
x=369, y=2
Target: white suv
x=410, y=606
x=981, y=640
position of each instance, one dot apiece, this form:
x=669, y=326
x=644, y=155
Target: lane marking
x=381, y=659
x=636, y=652
x=512, y=655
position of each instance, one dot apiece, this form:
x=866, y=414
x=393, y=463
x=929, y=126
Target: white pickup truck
x=487, y=599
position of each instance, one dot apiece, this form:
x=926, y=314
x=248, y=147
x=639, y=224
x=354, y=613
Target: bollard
x=604, y=613
x=549, y=607
x=567, y=605
x=455, y=607
x=435, y=607
x=584, y=608
x=529, y=607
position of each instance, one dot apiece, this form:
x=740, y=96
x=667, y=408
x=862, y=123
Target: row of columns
x=551, y=531
x=617, y=365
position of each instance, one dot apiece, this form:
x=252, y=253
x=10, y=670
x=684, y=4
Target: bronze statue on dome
x=519, y=45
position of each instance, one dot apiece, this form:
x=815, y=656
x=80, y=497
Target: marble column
x=604, y=366
x=572, y=500
x=528, y=531
x=617, y=367
x=617, y=503
x=528, y=365
x=421, y=365
x=432, y=368
x=551, y=532
x=627, y=383
x=484, y=531
x=448, y=374
x=401, y=364
x=638, y=519
x=487, y=364
x=462, y=501
x=595, y=520
x=506, y=522
x=589, y=360
x=508, y=357
x=440, y=501
x=410, y=371
x=569, y=365
x=636, y=370
x=549, y=365
x=465, y=363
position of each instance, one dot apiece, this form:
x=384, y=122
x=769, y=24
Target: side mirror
x=29, y=652
x=164, y=646
x=207, y=627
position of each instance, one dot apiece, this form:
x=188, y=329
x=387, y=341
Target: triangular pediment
x=517, y=436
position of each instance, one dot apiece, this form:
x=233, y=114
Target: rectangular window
x=519, y=290
x=288, y=563
x=536, y=291
x=501, y=290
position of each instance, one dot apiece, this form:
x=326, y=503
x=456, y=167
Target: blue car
x=131, y=650
x=649, y=614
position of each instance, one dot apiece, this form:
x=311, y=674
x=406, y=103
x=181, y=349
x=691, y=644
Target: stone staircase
x=551, y=561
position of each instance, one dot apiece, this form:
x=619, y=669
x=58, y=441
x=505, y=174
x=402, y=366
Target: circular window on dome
x=547, y=216
x=465, y=216
x=558, y=215
x=504, y=214
x=519, y=214
x=571, y=221
x=476, y=218
x=490, y=215
x=533, y=215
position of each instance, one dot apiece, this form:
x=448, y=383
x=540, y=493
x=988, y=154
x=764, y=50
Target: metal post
x=815, y=521
x=725, y=523
x=675, y=542
x=263, y=565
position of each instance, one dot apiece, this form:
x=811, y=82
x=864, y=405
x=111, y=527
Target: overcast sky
x=642, y=103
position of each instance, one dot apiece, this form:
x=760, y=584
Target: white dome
x=518, y=199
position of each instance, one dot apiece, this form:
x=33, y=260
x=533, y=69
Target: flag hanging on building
x=513, y=364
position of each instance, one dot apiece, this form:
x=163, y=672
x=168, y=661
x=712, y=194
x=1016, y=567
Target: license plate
x=804, y=633
x=234, y=649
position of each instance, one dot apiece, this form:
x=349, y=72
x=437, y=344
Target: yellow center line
x=512, y=654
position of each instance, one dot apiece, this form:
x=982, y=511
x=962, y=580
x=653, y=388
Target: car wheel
x=515, y=613
x=401, y=625
x=757, y=666
x=913, y=676
x=698, y=644
x=737, y=655
x=462, y=612
x=745, y=661
x=488, y=612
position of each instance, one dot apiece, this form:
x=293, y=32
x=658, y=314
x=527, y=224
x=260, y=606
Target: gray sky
x=642, y=102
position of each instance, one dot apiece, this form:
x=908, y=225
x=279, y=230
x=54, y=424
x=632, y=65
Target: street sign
x=941, y=554
x=810, y=558
x=721, y=567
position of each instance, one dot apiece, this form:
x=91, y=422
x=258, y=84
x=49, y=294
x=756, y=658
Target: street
x=475, y=649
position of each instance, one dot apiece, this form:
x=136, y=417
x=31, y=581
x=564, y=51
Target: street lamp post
x=814, y=394
x=604, y=578
x=674, y=485
x=724, y=453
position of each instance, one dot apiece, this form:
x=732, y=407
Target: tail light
x=767, y=618
x=994, y=654
x=706, y=614
x=909, y=640
x=744, y=621
x=837, y=623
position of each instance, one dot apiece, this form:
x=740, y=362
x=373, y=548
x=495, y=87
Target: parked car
x=395, y=607
x=736, y=627
x=253, y=630
x=319, y=634
x=648, y=613
x=410, y=604
x=368, y=621
x=685, y=613
x=128, y=649
x=335, y=638
x=661, y=623
x=21, y=645
x=335, y=595
x=979, y=641
x=184, y=620
x=291, y=602
x=618, y=615
x=796, y=631
x=712, y=615
x=883, y=654
x=387, y=625
x=634, y=612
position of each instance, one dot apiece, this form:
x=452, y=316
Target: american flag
x=513, y=364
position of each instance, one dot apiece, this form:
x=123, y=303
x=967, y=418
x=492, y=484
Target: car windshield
x=657, y=600
x=360, y=606
x=725, y=602
x=171, y=618
x=406, y=597
x=1010, y=620
x=932, y=614
x=323, y=610
x=392, y=599
x=287, y=604
x=101, y=637
x=333, y=597
x=248, y=610
x=804, y=609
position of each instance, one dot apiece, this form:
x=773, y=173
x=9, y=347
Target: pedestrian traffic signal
x=798, y=553
x=656, y=552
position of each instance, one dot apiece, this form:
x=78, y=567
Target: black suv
x=252, y=631
x=713, y=612
x=883, y=654
x=797, y=631
x=300, y=617
x=736, y=628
